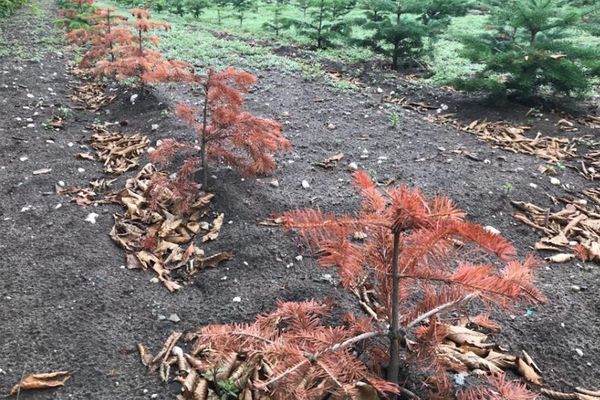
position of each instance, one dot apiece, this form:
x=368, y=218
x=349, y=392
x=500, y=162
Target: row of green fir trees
x=7, y=7
x=528, y=46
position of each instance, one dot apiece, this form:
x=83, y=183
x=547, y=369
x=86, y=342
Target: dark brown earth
x=65, y=303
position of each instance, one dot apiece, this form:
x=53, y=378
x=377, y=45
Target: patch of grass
x=343, y=85
x=446, y=62
x=312, y=71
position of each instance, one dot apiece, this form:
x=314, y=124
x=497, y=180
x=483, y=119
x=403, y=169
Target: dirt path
x=65, y=303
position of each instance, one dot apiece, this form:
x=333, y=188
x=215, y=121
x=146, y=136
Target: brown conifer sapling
x=424, y=260
x=225, y=131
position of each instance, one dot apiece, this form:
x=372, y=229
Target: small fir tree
x=241, y=8
x=74, y=14
x=137, y=58
x=410, y=252
x=197, y=7
x=325, y=22
x=177, y=7
x=221, y=6
x=402, y=27
x=101, y=39
x=528, y=51
x=225, y=131
x=276, y=24
x=303, y=6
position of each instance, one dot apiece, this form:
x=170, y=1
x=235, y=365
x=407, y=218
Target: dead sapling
x=423, y=261
x=225, y=131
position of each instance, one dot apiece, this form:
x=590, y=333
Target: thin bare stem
x=394, y=334
x=439, y=309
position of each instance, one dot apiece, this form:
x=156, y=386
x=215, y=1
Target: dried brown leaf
x=41, y=381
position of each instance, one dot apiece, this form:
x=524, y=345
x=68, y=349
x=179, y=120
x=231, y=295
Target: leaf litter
x=119, y=152
x=89, y=94
x=156, y=237
x=463, y=348
x=85, y=196
x=573, y=231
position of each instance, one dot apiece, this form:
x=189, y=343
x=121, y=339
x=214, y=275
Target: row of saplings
x=411, y=250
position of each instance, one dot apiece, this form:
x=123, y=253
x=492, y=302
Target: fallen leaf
x=86, y=156
x=331, y=161
x=560, y=258
x=42, y=171
x=528, y=372
x=461, y=335
x=216, y=229
x=42, y=381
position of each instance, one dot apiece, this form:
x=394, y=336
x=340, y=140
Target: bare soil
x=66, y=303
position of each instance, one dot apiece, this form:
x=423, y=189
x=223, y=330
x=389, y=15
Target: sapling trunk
x=394, y=334
x=203, y=138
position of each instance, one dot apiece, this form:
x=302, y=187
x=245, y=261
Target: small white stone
x=133, y=98
x=80, y=170
x=353, y=166
x=91, y=218
x=174, y=318
x=30, y=95
x=576, y=288
x=56, y=207
x=23, y=158
x=579, y=352
x=275, y=183
x=299, y=258
x=26, y=208
x=70, y=144
x=177, y=351
x=154, y=127
x=533, y=185
x=379, y=90
x=491, y=229
x=237, y=299
x=61, y=183
x=305, y=184
x=554, y=181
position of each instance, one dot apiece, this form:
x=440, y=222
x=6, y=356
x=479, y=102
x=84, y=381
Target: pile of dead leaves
x=512, y=138
x=573, y=231
x=197, y=375
x=120, y=153
x=505, y=135
x=89, y=94
x=463, y=348
x=469, y=350
x=158, y=238
x=578, y=394
x=85, y=196
x=416, y=106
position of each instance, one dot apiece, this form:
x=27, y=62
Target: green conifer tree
x=530, y=52
x=277, y=23
x=196, y=7
x=325, y=21
x=401, y=27
x=241, y=8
